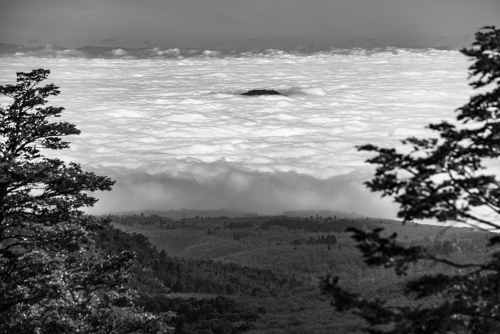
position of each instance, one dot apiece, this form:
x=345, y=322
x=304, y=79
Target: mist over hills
x=189, y=213
x=193, y=213
x=321, y=213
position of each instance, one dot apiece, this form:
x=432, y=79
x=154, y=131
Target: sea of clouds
x=174, y=132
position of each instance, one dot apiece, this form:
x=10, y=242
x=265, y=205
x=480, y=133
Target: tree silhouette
x=442, y=178
x=52, y=279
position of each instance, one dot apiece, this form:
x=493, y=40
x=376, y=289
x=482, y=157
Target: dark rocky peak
x=256, y=92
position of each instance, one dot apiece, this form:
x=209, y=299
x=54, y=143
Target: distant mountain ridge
x=91, y=51
x=321, y=213
x=7, y=48
x=207, y=51
x=189, y=213
x=193, y=213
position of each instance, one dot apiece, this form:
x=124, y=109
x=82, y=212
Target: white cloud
x=176, y=133
x=118, y=52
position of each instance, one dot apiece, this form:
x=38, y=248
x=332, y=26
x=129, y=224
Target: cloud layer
x=176, y=133
x=232, y=188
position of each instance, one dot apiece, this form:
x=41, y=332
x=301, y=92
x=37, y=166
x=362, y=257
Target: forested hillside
x=260, y=274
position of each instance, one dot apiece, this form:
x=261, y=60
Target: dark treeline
x=192, y=276
x=313, y=224
x=316, y=224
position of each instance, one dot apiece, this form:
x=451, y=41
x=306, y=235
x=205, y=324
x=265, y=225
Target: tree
x=52, y=278
x=442, y=178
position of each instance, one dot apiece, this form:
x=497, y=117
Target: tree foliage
x=442, y=178
x=52, y=278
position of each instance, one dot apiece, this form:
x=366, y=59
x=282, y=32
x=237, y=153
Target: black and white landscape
x=232, y=130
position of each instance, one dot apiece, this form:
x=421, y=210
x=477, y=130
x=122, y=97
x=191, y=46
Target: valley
x=272, y=266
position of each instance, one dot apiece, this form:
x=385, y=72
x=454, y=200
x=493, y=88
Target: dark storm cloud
x=176, y=22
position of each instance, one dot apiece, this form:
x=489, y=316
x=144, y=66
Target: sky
x=234, y=23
